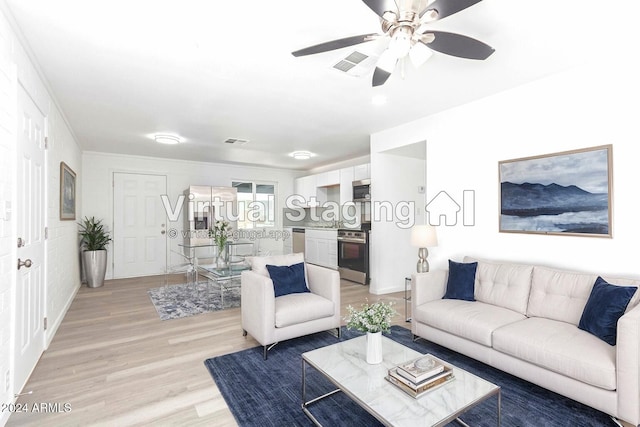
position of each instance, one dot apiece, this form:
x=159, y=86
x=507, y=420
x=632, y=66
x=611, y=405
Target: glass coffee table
x=345, y=366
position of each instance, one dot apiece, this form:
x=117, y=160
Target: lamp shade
x=423, y=236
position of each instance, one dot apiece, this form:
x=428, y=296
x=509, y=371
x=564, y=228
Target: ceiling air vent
x=236, y=141
x=354, y=64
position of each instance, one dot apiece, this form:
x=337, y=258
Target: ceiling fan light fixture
x=400, y=43
x=387, y=61
x=301, y=155
x=419, y=54
x=167, y=139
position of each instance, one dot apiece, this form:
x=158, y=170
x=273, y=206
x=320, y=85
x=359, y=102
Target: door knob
x=162, y=232
x=26, y=263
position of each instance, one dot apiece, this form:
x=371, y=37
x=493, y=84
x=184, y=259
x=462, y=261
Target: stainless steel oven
x=353, y=255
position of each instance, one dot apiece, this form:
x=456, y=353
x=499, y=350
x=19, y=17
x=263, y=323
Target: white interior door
x=139, y=225
x=30, y=223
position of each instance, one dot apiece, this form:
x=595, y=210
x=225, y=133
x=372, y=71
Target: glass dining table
x=202, y=257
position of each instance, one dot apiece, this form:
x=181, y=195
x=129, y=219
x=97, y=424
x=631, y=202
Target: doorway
x=139, y=225
x=29, y=296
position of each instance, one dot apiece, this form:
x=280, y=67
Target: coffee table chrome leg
x=305, y=404
x=499, y=407
x=304, y=382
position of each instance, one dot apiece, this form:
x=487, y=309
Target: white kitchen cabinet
x=321, y=247
x=326, y=179
x=346, y=185
x=306, y=187
x=362, y=172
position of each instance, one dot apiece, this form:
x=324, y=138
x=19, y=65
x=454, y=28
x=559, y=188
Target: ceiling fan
x=405, y=24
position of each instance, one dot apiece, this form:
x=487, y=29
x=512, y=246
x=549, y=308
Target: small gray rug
x=176, y=301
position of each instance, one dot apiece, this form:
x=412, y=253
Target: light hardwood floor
x=115, y=363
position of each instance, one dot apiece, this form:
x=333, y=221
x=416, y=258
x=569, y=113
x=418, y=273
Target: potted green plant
x=95, y=239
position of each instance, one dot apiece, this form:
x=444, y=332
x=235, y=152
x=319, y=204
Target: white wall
x=588, y=106
x=395, y=179
x=63, y=259
x=98, y=192
x=62, y=272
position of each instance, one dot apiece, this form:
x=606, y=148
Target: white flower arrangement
x=374, y=317
x=220, y=233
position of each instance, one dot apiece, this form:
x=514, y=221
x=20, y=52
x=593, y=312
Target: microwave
x=362, y=190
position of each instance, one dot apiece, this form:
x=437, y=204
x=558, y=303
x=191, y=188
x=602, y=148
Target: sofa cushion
x=259, y=263
x=559, y=295
x=560, y=347
x=287, y=279
x=503, y=284
x=298, y=308
x=474, y=321
x=461, y=281
x=606, y=304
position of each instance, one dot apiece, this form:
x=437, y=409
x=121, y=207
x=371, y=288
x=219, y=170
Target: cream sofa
x=270, y=320
x=524, y=322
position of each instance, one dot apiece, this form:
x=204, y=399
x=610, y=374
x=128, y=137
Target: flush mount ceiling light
x=167, y=139
x=379, y=99
x=301, y=155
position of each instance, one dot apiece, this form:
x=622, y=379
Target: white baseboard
x=53, y=327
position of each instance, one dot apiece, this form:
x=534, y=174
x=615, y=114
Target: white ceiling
x=122, y=70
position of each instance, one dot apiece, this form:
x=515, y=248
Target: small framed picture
x=67, y=193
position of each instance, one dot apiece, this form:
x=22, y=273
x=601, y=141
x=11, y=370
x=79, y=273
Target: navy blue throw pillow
x=288, y=279
x=606, y=304
x=461, y=281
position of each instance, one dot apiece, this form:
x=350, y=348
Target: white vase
x=374, y=347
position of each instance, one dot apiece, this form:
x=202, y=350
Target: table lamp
x=423, y=236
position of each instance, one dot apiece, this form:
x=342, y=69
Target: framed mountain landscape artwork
x=567, y=193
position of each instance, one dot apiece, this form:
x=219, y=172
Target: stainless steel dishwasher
x=298, y=240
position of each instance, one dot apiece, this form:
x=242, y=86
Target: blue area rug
x=176, y=301
x=268, y=393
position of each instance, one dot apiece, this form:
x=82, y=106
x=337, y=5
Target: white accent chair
x=270, y=320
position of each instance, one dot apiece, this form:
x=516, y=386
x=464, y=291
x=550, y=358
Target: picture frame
x=67, y=193
x=564, y=193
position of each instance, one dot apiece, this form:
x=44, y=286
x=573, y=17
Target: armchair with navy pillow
x=282, y=297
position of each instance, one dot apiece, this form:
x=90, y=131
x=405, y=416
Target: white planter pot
x=95, y=263
x=374, y=347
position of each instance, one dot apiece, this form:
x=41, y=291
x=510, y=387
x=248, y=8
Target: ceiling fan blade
x=458, y=45
x=334, y=44
x=385, y=66
x=380, y=77
x=448, y=7
x=382, y=6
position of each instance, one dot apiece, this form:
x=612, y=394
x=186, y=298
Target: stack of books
x=421, y=375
